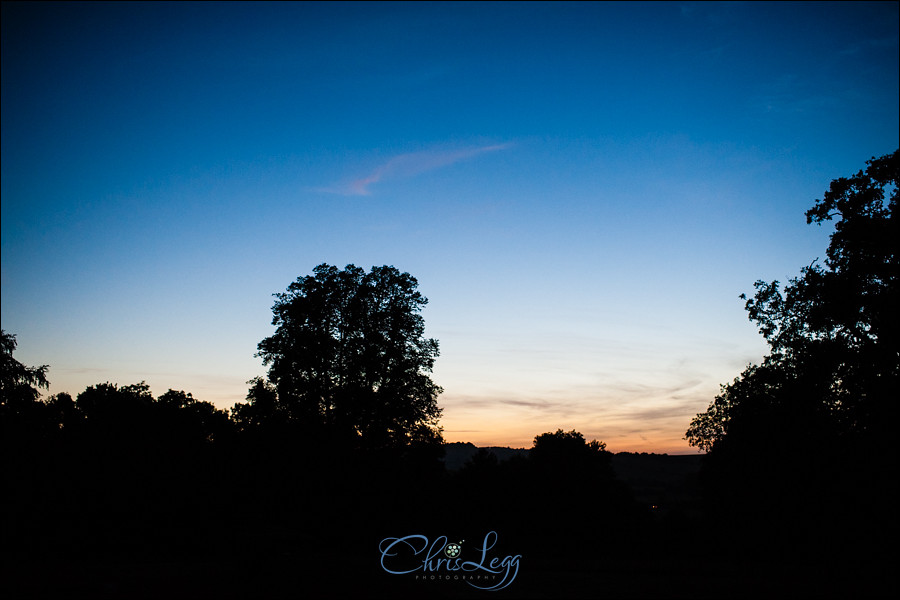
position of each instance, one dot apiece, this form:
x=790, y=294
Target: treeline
x=113, y=471
x=117, y=468
x=118, y=476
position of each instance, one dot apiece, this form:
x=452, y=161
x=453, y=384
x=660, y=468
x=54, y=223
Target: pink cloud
x=411, y=164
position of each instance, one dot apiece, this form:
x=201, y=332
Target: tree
x=193, y=419
x=349, y=358
x=23, y=417
x=834, y=356
x=571, y=486
x=799, y=447
x=18, y=384
x=261, y=407
x=566, y=454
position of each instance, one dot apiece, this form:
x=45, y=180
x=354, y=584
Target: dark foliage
x=349, y=361
x=18, y=384
x=800, y=456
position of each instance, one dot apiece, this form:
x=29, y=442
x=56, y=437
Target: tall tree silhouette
x=803, y=438
x=349, y=358
x=833, y=332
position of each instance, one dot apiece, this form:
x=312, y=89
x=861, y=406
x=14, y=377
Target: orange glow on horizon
x=618, y=443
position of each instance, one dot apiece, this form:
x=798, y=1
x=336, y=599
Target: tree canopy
x=18, y=383
x=349, y=357
x=834, y=357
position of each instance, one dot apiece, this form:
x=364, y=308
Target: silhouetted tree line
x=800, y=448
x=117, y=470
x=119, y=475
x=114, y=470
x=336, y=448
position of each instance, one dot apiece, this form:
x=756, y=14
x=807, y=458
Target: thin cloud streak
x=404, y=166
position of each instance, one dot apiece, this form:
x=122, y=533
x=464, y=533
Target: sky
x=581, y=190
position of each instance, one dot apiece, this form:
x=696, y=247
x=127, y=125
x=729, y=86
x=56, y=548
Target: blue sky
x=582, y=190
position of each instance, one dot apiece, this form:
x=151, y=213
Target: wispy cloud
x=404, y=166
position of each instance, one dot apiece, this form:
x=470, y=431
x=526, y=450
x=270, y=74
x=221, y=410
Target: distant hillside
x=661, y=482
x=458, y=453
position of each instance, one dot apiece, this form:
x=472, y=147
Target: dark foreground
x=647, y=537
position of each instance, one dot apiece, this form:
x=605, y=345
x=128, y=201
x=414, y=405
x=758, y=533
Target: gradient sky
x=582, y=190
